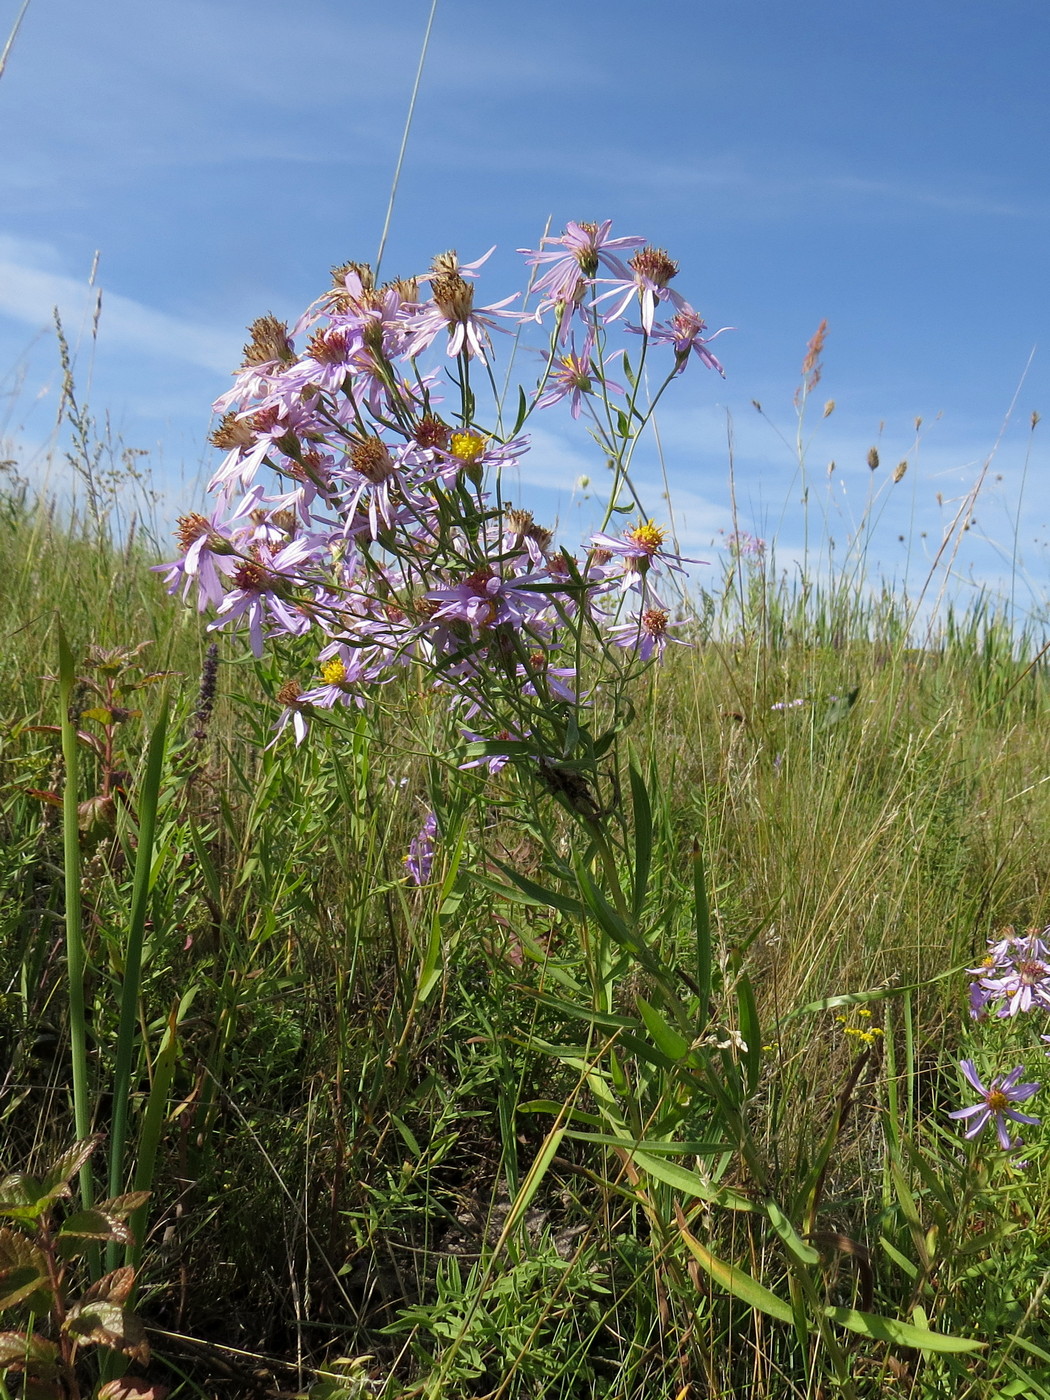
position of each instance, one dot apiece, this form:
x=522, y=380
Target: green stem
x=76, y=957
x=130, y=987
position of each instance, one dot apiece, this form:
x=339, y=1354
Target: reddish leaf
x=111, y=1288
x=62, y=1171
x=100, y=1322
x=23, y=1268
x=33, y=1388
x=123, y=1206
x=17, y=1351
x=97, y=815
x=95, y=1224
x=51, y=797
x=92, y=741
x=133, y=1388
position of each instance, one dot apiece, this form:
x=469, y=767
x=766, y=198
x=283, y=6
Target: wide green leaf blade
x=736, y=1281
x=902, y=1334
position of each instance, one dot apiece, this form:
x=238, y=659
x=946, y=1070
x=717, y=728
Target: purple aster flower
x=1022, y=984
x=651, y=270
x=573, y=263
x=996, y=1103
x=420, y=859
x=1011, y=945
x=684, y=332
x=587, y=246
x=451, y=308
x=646, y=632
x=979, y=999
x=343, y=669
x=640, y=550
x=210, y=551
x=573, y=375
x=741, y=545
x=294, y=714
x=483, y=599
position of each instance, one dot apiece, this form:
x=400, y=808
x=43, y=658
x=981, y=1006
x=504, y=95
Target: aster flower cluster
x=1014, y=976
x=353, y=505
x=1012, y=980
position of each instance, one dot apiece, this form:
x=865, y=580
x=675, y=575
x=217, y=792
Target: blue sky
x=881, y=166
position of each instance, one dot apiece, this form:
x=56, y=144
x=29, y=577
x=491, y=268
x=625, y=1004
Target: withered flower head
x=288, y=695
x=269, y=342
x=371, y=457
x=232, y=432
x=454, y=295
x=446, y=264
x=363, y=271
x=431, y=432
x=407, y=289
x=654, y=264
x=541, y=535
x=328, y=347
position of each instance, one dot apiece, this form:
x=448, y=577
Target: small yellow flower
x=333, y=672
x=467, y=447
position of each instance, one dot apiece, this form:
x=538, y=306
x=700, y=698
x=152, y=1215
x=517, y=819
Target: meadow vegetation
x=632, y=1081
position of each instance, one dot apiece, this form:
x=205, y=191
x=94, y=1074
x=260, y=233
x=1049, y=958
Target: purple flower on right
x=996, y=1103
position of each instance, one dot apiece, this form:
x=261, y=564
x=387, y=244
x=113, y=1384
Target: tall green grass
x=341, y=1087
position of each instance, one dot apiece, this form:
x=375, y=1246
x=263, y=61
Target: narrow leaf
x=735, y=1281
x=902, y=1334
x=702, y=926
x=666, y=1038
x=643, y=838
x=690, y=1184
x=796, y=1246
x=751, y=1032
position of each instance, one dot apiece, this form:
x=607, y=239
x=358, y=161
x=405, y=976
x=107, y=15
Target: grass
x=372, y=1121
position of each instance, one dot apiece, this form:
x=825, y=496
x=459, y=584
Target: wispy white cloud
x=33, y=284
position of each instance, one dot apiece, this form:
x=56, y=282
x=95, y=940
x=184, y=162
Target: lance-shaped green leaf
x=734, y=1280
x=702, y=927
x=665, y=1037
x=692, y=1185
x=751, y=1032
x=795, y=1245
x=643, y=839
x=902, y=1334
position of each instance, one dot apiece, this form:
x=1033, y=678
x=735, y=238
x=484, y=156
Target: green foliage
x=39, y=1276
x=565, y=1120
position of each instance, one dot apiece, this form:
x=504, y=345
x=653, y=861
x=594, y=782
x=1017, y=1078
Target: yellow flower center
x=997, y=1101
x=467, y=447
x=333, y=672
x=647, y=536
